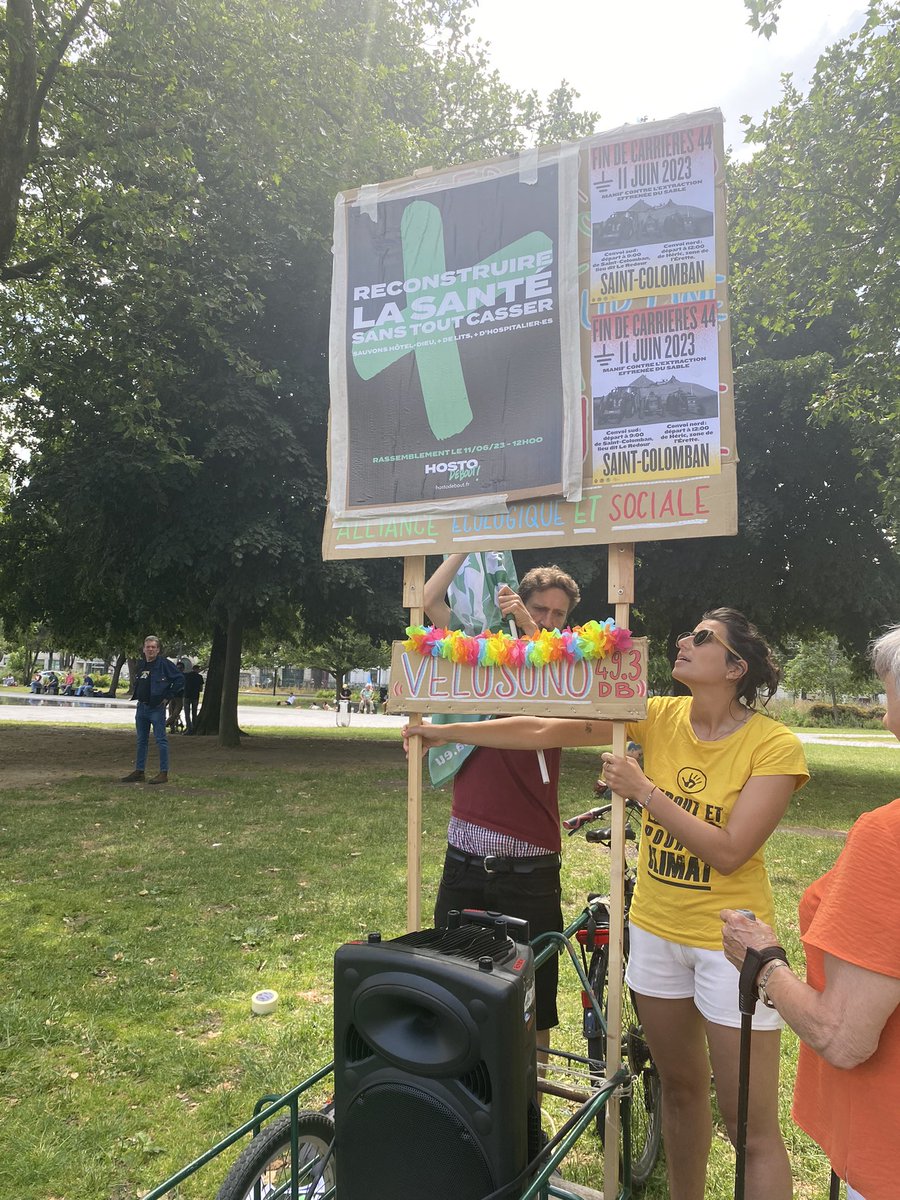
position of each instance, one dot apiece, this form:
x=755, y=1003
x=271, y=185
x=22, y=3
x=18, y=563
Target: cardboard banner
x=454, y=340
x=653, y=511
x=613, y=688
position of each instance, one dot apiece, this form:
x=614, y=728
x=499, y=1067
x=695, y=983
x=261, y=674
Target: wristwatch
x=764, y=979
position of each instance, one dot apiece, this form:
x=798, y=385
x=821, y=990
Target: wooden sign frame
x=691, y=503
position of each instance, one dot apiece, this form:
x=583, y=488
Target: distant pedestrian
x=367, y=697
x=175, y=704
x=193, y=686
x=156, y=680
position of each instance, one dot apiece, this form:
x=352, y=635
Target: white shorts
x=667, y=970
x=853, y=1194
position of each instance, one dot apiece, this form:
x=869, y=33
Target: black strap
x=835, y=1190
x=754, y=961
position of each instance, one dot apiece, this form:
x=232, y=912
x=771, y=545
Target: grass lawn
x=137, y=922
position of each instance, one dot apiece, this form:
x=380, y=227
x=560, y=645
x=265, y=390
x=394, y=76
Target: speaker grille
x=356, y=1048
x=443, y=1162
x=478, y=1082
x=468, y=941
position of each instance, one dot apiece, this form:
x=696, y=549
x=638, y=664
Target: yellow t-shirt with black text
x=678, y=896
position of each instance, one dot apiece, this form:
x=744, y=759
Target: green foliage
x=823, y=716
x=815, y=226
x=167, y=307
x=762, y=15
x=820, y=665
x=347, y=648
x=853, y=716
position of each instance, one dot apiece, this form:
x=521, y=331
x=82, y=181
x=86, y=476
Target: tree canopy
x=166, y=296
x=815, y=219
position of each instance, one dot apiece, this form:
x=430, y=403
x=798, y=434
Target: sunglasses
x=701, y=636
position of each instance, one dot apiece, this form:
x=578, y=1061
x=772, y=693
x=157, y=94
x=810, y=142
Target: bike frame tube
x=540, y=1185
x=545, y=945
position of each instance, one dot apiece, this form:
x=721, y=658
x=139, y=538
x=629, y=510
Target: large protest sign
x=654, y=440
x=454, y=340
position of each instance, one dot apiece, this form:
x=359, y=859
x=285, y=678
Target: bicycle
x=593, y=939
x=291, y=1155
x=284, y=1161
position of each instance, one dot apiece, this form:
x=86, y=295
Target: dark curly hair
x=763, y=673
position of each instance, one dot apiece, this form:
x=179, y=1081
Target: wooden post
x=413, y=599
x=621, y=594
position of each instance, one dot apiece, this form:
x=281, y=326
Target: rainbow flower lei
x=589, y=642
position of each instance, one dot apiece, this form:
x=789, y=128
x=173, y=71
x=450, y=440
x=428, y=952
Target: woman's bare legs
x=676, y=1034
x=768, y=1169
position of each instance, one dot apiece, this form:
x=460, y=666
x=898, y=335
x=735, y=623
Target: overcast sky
x=658, y=58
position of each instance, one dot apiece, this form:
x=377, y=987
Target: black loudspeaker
x=434, y=1066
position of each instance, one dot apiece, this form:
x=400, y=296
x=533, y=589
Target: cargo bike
x=435, y=1073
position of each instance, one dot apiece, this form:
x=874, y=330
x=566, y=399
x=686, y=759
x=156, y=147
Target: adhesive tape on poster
x=264, y=1002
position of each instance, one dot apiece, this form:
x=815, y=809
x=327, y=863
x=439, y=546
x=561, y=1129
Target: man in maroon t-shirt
x=503, y=840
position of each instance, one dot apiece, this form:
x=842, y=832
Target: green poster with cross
x=454, y=355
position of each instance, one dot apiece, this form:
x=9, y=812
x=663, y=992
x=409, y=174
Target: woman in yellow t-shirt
x=717, y=778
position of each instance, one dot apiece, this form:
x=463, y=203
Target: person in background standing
x=193, y=686
x=156, y=680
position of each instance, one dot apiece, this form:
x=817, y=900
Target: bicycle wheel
x=646, y=1100
x=263, y=1169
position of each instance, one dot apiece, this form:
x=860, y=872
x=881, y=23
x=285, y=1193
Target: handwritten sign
x=614, y=688
x=651, y=511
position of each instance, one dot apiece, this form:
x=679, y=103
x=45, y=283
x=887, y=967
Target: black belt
x=494, y=864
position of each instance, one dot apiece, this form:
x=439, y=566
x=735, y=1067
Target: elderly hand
x=512, y=607
x=740, y=932
x=625, y=777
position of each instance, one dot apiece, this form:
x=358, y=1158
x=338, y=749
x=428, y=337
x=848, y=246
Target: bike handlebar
x=573, y=824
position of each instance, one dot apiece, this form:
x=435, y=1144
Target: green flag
x=472, y=596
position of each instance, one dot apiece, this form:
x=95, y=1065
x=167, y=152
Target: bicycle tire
x=267, y=1161
x=646, y=1101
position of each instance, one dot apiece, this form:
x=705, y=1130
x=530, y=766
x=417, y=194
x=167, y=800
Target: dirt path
x=38, y=754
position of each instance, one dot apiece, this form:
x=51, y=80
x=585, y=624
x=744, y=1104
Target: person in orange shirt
x=847, y=1013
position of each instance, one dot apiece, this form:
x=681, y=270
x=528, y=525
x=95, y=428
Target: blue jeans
x=146, y=718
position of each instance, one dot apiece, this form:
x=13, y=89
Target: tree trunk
x=208, y=716
x=117, y=671
x=30, y=659
x=229, y=732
